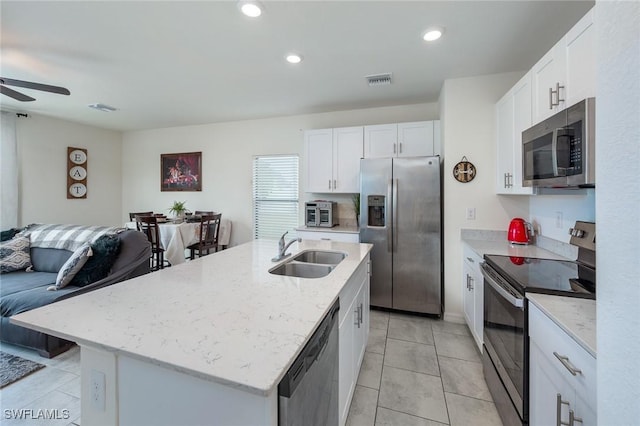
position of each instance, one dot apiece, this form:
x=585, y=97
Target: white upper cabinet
x=319, y=160
x=580, y=45
x=548, y=79
x=413, y=139
x=513, y=116
x=566, y=74
x=332, y=159
x=347, y=152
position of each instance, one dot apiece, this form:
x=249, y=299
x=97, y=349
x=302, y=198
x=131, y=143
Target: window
x=275, y=195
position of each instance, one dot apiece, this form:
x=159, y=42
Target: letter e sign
x=76, y=173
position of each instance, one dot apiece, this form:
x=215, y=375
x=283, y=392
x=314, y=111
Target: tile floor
x=420, y=372
x=416, y=372
x=55, y=387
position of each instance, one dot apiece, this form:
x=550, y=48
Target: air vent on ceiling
x=103, y=107
x=379, y=79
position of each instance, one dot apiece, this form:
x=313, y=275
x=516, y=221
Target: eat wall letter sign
x=76, y=173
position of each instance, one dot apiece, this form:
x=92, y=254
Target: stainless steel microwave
x=560, y=151
x=321, y=213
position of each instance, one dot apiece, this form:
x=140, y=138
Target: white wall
x=42, y=158
x=617, y=202
x=467, y=114
x=227, y=153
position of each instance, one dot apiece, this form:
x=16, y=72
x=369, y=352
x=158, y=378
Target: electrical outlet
x=97, y=390
x=471, y=213
x=559, y=220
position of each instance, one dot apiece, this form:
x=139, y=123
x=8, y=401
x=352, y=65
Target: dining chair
x=204, y=213
x=149, y=226
x=132, y=216
x=209, y=231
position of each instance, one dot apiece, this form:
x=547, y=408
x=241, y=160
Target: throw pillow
x=9, y=234
x=105, y=250
x=72, y=266
x=15, y=255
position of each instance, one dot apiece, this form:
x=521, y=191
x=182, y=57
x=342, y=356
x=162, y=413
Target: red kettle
x=520, y=231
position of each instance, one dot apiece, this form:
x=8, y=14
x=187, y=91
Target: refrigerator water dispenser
x=376, y=204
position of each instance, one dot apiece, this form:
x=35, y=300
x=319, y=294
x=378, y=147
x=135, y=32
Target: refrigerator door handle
x=395, y=214
x=387, y=224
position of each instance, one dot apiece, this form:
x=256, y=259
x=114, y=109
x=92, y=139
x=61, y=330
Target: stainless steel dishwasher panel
x=308, y=394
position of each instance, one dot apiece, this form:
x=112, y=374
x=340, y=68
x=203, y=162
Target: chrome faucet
x=282, y=247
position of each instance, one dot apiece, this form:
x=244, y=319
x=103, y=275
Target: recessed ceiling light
x=432, y=34
x=294, y=58
x=251, y=8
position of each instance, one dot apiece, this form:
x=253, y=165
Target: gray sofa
x=21, y=291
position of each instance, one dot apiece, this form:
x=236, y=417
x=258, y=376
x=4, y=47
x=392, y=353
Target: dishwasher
x=308, y=393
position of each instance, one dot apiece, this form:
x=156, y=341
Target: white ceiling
x=165, y=64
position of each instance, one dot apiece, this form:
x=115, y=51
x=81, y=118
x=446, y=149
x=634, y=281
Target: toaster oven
x=321, y=214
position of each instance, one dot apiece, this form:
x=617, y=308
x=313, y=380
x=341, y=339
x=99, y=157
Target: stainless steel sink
x=320, y=256
x=302, y=270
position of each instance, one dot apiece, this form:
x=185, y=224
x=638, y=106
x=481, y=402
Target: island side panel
x=153, y=395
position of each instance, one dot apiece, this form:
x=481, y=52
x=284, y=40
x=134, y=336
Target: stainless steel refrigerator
x=400, y=214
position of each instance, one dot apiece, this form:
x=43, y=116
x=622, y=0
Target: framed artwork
x=181, y=172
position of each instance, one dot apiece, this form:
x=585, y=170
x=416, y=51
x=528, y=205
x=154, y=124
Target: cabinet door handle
x=564, y=360
x=357, y=320
x=329, y=183
x=334, y=184
x=573, y=418
x=326, y=239
x=470, y=283
x=550, y=98
x=559, y=403
x=505, y=180
x=400, y=150
x=558, y=87
x=361, y=314
x=470, y=259
x=394, y=148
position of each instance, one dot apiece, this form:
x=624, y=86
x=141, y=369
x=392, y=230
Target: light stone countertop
x=221, y=317
x=504, y=248
x=348, y=229
x=575, y=316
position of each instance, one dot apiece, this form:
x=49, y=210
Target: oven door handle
x=514, y=300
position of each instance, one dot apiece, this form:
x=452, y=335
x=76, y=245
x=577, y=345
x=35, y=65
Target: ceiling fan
x=29, y=85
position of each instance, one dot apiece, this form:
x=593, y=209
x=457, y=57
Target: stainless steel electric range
x=507, y=280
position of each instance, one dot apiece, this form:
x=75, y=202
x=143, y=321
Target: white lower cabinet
x=562, y=387
x=342, y=237
x=354, y=333
x=473, y=293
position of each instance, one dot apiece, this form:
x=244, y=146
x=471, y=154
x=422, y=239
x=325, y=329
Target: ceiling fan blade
x=15, y=95
x=36, y=86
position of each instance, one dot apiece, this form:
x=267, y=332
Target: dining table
x=175, y=237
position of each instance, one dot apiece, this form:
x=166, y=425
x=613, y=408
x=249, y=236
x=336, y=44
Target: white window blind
x=275, y=196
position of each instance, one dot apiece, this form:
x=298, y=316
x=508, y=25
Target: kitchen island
x=205, y=342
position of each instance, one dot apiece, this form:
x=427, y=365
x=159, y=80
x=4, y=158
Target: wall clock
x=464, y=171
x=76, y=173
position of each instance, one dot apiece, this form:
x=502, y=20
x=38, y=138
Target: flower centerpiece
x=178, y=209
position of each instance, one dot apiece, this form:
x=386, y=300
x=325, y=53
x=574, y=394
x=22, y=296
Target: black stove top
x=564, y=278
